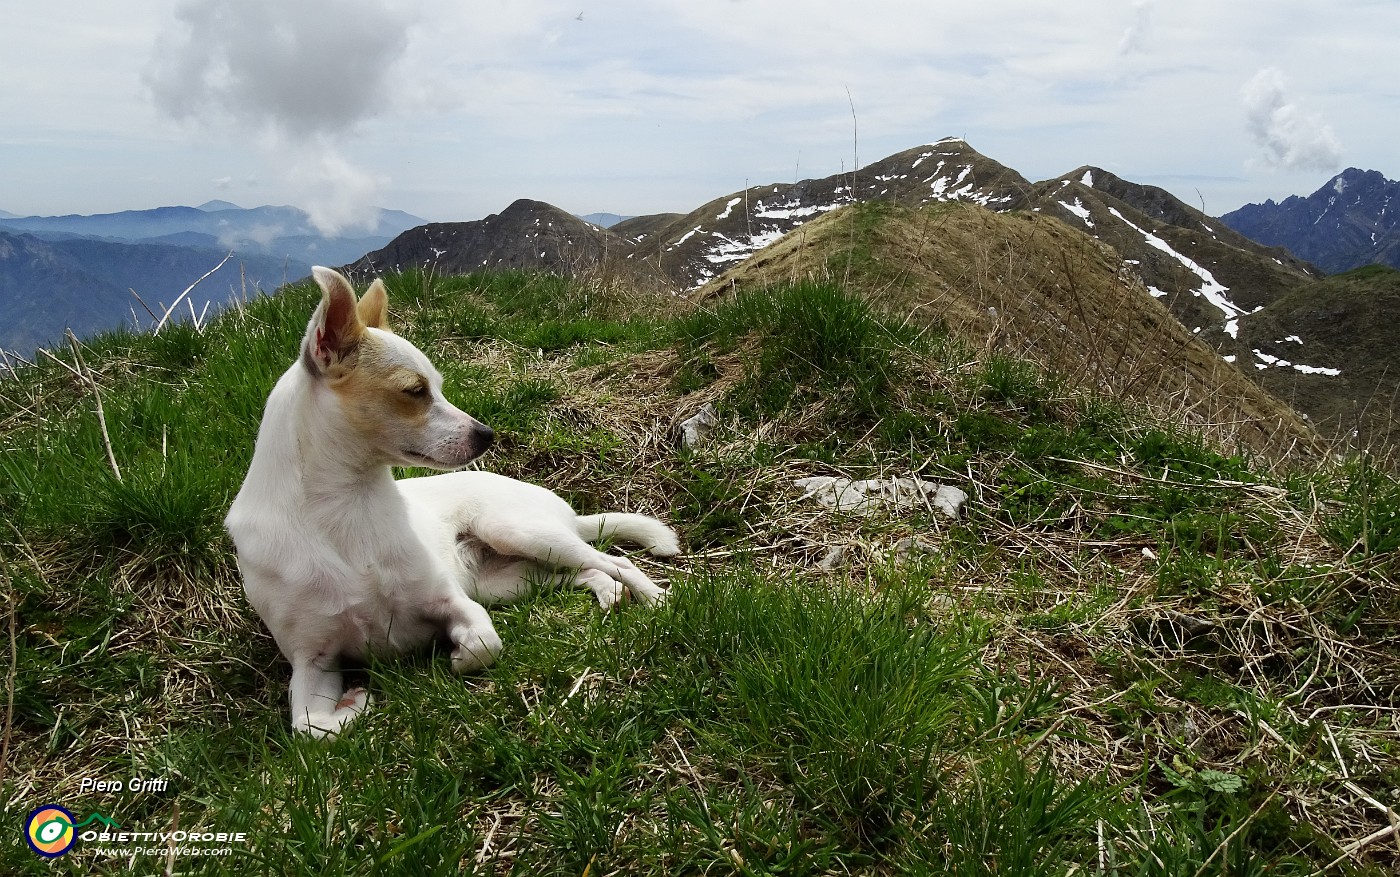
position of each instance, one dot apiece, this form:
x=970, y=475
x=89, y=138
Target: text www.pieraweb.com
x=160, y=851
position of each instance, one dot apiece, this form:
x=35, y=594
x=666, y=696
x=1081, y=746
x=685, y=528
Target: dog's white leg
x=476, y=643
x=320, y=705
x=508, y=582
x=607, y=589
x=638, y=583
x=557, y=548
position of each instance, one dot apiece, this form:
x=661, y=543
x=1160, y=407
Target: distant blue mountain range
x=85, y=273
x=604, y=220
x=1344, y=225
x=281, y=232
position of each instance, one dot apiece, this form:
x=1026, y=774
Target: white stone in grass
x=912, y=545
x=950, y=501
x=694, y=429
x=897, y=494
x=835, y=556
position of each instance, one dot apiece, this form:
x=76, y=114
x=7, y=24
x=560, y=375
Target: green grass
x=808, y=343
x=1135, y=654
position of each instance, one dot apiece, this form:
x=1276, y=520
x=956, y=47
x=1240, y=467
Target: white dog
x=339, y=559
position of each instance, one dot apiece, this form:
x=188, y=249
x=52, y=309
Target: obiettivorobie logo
x=52, y=830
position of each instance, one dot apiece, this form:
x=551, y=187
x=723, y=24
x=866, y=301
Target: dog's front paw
x=479, y=651
x=327, y=726
x=355, y=700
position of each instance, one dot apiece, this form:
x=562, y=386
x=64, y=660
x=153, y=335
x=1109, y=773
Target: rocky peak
x=1352, y=220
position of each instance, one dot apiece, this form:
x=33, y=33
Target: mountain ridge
x=1351, y=221
x=1214, y=280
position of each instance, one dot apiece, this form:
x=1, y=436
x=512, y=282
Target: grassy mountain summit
x=1149, y=645
x=1030, y=285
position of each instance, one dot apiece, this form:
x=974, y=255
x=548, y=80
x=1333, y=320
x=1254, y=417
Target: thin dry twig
x=11, y=601
x=181, y=297
x=1360, y=844
x=84, y=374
x=1349, y=785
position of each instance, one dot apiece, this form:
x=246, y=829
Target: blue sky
x=451, y=110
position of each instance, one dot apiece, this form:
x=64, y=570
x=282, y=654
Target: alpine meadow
x=1158, y=635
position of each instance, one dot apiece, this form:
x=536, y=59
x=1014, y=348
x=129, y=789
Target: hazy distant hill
x=604, y=220
x=1353, y=220
x=50, y=286
x=280, y=232
x=75, y=272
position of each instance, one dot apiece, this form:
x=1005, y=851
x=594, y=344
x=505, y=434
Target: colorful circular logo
x=49, y=831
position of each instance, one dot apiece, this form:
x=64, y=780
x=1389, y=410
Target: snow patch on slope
x=1211, y=289
x=956, y=188
x=1269, y=361
x=685, y=237
x=1078, y=209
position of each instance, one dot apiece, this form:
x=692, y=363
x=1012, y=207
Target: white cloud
x=451, y=109
x=314, y=67
x=335, y=193
x=1291, y=137
x=301, y=76
x=1135, y=36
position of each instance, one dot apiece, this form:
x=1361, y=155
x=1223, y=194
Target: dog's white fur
x=340, y=559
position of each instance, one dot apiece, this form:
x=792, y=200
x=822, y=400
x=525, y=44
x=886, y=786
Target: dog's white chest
x=383, y=610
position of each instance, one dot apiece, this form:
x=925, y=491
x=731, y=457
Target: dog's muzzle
x=456, y=450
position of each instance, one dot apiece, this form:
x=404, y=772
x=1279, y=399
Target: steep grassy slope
x=1136, y=652
x=1207, y=275
x=1033, y=286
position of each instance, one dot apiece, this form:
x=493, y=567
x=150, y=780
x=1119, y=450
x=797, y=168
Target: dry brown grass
x=1031, y=287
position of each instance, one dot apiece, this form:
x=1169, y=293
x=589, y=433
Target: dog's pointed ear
x=335, y=329
x=374, y=306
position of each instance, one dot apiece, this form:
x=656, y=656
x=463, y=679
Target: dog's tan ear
x=335, y=329
x=374, y=307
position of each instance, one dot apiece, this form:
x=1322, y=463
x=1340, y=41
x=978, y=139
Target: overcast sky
x=451, y=109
